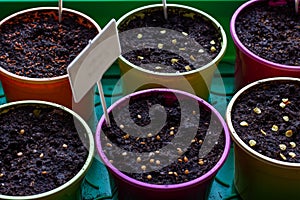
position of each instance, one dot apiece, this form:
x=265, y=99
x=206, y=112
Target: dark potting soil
x=40, y=150
x=184, y=42
x=36, y=45
x=267, y=119
x=187, y=145
x=271, y=32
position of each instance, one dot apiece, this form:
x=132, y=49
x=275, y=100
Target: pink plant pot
x=249, y=67
x=130, y=188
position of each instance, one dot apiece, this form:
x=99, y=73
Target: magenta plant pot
x=130, y=188
x=249, y=67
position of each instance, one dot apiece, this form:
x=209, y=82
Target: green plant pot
x=196, y=81
x=71, y=189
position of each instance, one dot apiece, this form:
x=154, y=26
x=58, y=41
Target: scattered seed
x=192, y=58
x=293, y=144
x=184, y=33
x=200, y=141
x=182, y=49
x=140, y=57
x=139, y=36
x=188, y=68
x=201, y=162
x=19, y=154
x=138, y=159
x=157, y=162
x=282, y=147
x=124, y=154
x=142, y=142
x=44, y=172
x=22, y=131
x=179, y=151
x=193, y=141
x=121, y=126
x=172, y=128
x=108, y=144
x=149, y=177
x=126, y=136
x=174, y=60
x=41, y=155
x=170, y=173
x=257, y=110
x=175, y=173
x=158, y=67
x=292, y=154
x=286, y=118
x=163, y=31
x=65, y=146
x=282, y=156
x=252, y=143
x=263, y=132
x=282, y=105
x=212, y=42
x=185, y=159
x=201, y=51
x=160, y=45
x=213, y=49
x=1, y=175
x=157, y=152
x=186, y=172
x=111, y=161
x=274, y=128
x=157, y=137
x=244, y=123
x=174, y=41
x=149, y=135
x=171, y=132
x=285, y=100
x=179, y=160
x=143, y=167
x=151, y=160
x=31, y=184
x=289, y=133
x=139, y=116
x=194, y=112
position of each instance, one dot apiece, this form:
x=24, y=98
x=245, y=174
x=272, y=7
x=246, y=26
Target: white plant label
x=89, y=66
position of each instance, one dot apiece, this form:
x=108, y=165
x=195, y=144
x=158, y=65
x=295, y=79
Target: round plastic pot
x=56, y=89
x=130, y=188
x=258, y=176
x=71, y=189
x=249, y=67
x=195, y=81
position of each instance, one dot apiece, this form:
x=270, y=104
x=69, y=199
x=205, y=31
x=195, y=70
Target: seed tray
x=98, y=183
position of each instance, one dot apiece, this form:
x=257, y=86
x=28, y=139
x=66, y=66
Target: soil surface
x=267, y=119
x=36, y=45
x=40, y=150
x=271, y=32
x=184, y=42
x=187, y=145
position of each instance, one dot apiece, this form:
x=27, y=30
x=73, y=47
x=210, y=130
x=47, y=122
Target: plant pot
x=196, y=80
x=137, y=170
x=32, y=156
x=265, y=164
x=55, y=88
x=251, y=66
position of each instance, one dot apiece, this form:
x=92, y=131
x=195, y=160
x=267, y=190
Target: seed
x=174, y=60
x=194, y=112
x=121, y=126
x=289, y=133
x=188, y=68
x=163, y=31
x=185, y=159
x=257, y=110
x=65, y=146
x=184, y=33
x=31, y=184
x=151, y=160
x=282, y=105
x=22, y=131
x=108, y=144
x=282, y=147
x=182, y=49
x=111, y=161
x=170, y=173
x=192, y=58
x=124, y=154
x=126, y=136
x=286, y=118
x=292, y=154
x=149, y=177
x=157, y=137
x=201, y=51
x=293, y=144
x=186, y=172
x=172, y=128
x=201, y=162
x=274, y=128
x=19, y=154
x=171, y=132
x=179, y=151
x=139, y=116
x=158, y=67
x=200, y=141
x=244, y=123
x=139, y=36
x=143, y=167
x=180, y=160
x=140, y=57
x=212, y=42
x=282, y=156
x=160, y=45
x=263, y=132
x=138, y=159
x=175, y=173
x=142, y=142
x=149, y=135
x=44, y=172
x=157, y=162
x=252, y=143
x=174, y=41
x=213, y=49
x=285, y=100
x=157, y=152
x=41, y=155
x=1, y=175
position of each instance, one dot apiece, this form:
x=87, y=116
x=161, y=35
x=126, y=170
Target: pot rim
x=238, y=141
x=84, y=168
x=43, y=80
x=214, y=62
x=173, y=187
x=242, y=47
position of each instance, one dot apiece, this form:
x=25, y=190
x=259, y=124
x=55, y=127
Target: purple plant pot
x=249, y=67
x=130, y=188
